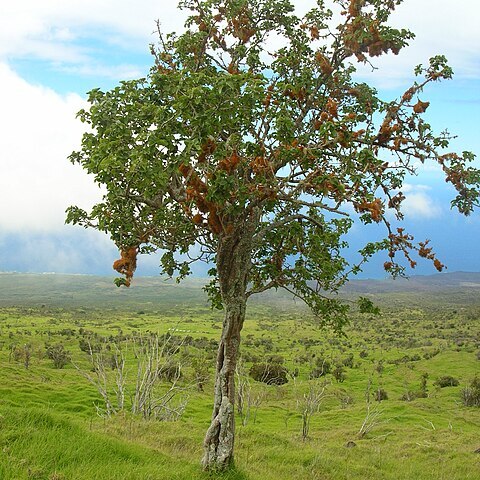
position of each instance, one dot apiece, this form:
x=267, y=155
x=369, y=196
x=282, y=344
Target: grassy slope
x=49, y=428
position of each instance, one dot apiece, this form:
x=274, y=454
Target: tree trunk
x=233, y=262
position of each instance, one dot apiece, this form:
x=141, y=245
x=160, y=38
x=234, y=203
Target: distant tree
x=251, y=145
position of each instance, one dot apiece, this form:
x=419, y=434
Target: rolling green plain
x=382, y=374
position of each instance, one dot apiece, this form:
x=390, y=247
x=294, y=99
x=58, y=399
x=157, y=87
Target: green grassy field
x=52, y=421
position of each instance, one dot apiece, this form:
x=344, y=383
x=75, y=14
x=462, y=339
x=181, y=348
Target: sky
x=53, y=51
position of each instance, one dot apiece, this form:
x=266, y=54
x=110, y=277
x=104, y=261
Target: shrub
x=339, y=373
x=58, y=355
x=423, y=392
x=348, y=361
x=89, y=347
x=201, y=367
x=170, y=371
x=345, y=398
x=250, y=357
x=446, y=381
x=276, y=359
x=470, y=395
x=409, y=395
x=322, y=367
x=431, y=354
x=67, y=332
x=269, y=373
x=380, y=395
x=21, y=354
x=379, y=367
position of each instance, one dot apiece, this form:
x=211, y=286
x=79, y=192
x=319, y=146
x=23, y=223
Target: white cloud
x=55, y=30
x=33, y=28
x=39, y=131
x=441, y=27
x=97, y=70
x=409, y=187
x=418, y=204
x=71, y=251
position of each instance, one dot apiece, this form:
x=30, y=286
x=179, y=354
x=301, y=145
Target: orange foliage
x=384, y=134
x=407, y=96
x=196, y=191
x=194, y=182
x=343, y=139
x=233, y=69
x=197, y=219
x=230, y=163
x=355, y=7
x=424, y=251
x=242, y=28
x=375, y=209
x=355, y=39
x=260, y=165
x=185, y=169
x=438, y=265
x=299, y=94
x=127, y=264
x=163, y=70
x=263, y=191
x=214, y=221
x=396, y=200
x=324, y=117
x=332, y=107
x=420, y=106
x=325, y=65
x=358, y=133
x=207, y=148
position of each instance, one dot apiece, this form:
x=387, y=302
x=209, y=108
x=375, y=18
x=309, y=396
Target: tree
x=259, y=159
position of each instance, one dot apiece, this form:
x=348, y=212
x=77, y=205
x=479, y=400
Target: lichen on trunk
x=233, y=263
x=219, y=440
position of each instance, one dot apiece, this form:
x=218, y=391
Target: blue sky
x=52, y=52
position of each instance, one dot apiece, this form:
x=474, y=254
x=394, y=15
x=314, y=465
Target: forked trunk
x=233, y=261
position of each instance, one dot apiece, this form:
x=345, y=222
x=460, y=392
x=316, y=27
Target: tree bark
x=233, y=263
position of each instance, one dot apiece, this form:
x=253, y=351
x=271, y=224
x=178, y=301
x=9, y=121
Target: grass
x=49, y=428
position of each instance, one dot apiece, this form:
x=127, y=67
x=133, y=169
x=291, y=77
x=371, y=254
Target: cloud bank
x=39, y=131
x=69, y=33
x=109, y=39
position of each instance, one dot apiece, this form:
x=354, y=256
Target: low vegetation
x=94, y=393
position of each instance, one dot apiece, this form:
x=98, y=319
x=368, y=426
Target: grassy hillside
x=53, y=424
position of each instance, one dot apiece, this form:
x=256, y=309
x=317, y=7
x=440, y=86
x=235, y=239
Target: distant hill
x=424, y=283
x=61, y=290
x=64, y=290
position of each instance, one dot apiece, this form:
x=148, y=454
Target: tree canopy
x=252, y=130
